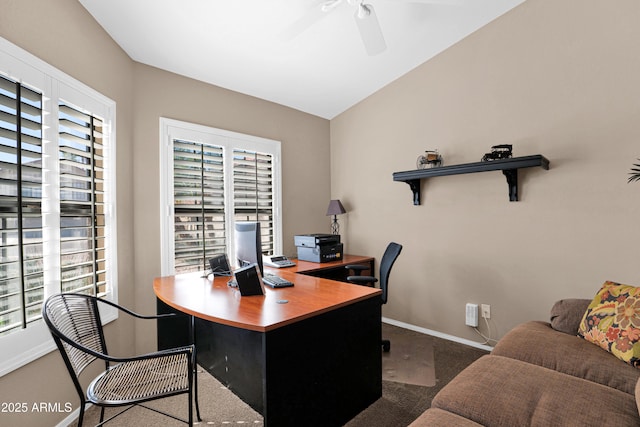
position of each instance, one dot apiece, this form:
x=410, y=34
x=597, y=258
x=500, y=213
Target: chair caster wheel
x=386, y=347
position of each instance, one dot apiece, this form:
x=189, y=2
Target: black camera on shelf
x=502, y=151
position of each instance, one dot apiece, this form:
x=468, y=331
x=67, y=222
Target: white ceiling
x=246, y=46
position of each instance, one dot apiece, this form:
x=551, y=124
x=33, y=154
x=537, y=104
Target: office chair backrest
x=389, y=257
x=74, y=322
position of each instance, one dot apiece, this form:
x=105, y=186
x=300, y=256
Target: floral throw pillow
x=612, y=321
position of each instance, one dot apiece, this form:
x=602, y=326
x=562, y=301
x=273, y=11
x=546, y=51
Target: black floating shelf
x=509, y=168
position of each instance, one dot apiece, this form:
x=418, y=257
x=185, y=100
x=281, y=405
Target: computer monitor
x=248, y=244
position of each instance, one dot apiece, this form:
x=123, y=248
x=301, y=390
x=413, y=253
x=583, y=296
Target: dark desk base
x=321, y=371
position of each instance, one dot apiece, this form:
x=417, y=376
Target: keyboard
x=276, y=281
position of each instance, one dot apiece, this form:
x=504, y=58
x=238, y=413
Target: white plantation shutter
x=21, y=241
x=199, y=215
x=82, y=207
x=57, y=199
x=211, y=178
x=253, y=192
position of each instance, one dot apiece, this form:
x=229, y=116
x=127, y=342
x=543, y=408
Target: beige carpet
x=410, y=360
x=400, y=404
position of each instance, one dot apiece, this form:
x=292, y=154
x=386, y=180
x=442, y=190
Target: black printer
x=318, y=247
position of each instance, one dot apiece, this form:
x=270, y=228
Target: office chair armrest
x=362, y=280
x=357, y=268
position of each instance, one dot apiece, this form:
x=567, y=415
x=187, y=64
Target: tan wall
x=143, y=94
x=305, y=161
x=62, y=33
x=559, y=78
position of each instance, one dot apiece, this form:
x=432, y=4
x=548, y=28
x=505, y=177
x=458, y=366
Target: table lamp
x=335, y=209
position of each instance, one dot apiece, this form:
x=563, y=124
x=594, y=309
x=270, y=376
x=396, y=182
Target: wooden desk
x=313, y=361
x=334, y=270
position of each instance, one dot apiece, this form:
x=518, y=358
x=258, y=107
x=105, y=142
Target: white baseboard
x=73, y=416
x=437, y=334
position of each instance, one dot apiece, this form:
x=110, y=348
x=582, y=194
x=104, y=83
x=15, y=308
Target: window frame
x=171, y=129
x=26, y=345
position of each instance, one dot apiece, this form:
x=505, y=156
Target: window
x=210, y=179
x=198, y=196
x=21, y=242
x=253, y=192
x=82, y=202
x=56, y=198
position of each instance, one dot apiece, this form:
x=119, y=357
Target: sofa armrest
x=637, y=394
x=566, y=314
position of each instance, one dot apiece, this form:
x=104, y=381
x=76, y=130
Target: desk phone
x=277, y=261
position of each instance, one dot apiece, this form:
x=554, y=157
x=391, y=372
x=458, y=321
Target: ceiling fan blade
x=444, y=2
x=313, y=15
x=370, y=30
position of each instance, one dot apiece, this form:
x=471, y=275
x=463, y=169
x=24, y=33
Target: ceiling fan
x=367, y=23
x=365, y=18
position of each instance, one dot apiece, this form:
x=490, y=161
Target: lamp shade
x=335, y=208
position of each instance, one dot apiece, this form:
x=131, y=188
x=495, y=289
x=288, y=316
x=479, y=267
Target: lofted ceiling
x=289, y=51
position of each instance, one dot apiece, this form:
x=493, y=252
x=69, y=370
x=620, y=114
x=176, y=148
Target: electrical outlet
x=486, y=311
x=471, y=312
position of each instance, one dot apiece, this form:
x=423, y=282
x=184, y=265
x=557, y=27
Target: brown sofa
x=541, y=374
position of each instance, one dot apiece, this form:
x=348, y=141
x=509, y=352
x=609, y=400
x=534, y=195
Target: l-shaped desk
x=305, y=355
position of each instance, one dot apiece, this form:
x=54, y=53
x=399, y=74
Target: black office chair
x=74, y=322
x=389, y=257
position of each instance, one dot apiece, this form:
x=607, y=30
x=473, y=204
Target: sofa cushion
x=566, y=314
x=612, y=321
x=436, y=417
x=499, y=391
x=536, y=342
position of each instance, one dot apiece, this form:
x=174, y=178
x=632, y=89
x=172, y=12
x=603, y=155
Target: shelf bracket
x=512, y=182
x=414, y=184
x=509, y=168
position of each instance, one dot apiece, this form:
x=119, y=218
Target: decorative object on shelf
x=430, y=159
x=635, y=173
x=509, y=168
x=502, y=151
x=335, y=208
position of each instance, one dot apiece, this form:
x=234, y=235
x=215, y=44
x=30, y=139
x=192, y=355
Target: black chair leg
x=190, y=405
x=195, y=366
x=386, y=346
x=81, y=417
x=195, y=387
